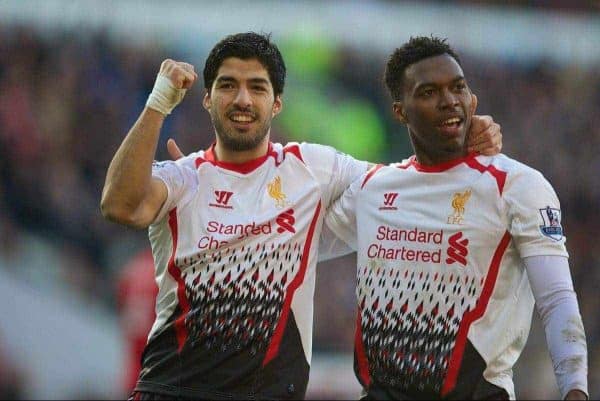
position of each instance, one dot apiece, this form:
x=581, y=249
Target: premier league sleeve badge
x=551, y=227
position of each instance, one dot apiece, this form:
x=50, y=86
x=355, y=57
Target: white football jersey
x=440, y=264
x=235, y=249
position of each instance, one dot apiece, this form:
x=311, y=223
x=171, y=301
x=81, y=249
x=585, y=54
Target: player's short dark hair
x=416, y=49
x=246, y=46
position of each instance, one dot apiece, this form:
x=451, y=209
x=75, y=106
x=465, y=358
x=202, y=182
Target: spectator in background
x=12, y=379
x=136, y=298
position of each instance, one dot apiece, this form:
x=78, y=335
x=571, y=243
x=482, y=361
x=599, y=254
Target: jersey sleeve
x=331, y=246
x=552, y=287
x=179, y=178
x=334, y=170
x=535, y=215
x=340, y=217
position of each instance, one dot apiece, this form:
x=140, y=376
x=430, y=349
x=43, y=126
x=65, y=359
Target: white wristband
x=164, y=96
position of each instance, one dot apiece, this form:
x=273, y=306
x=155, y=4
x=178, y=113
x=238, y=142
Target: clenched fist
x=173, y=80
x=181, y=74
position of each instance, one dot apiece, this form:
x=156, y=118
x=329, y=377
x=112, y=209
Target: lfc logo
x=458, y=204
x=275, y=192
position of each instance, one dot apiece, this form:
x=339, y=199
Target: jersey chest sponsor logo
x=551, y=227
x=276, y=193
x=219, y=234
x=388, y=201
x=417, y=245
x=286, y=222
x=457, y=249
x=459, y=200
x=222, y=199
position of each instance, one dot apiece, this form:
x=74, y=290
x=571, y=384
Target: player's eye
x=426, y=93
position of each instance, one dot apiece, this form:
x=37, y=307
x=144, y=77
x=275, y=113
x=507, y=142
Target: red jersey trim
x=243, y=168
x=406, y=164
x=273, y=348
x=438, y=168
x=470, y=160
x=180, y=328
x=473, y=315
x=370, y=174
x=293, y=149
x=499, y=175
x=359, y=349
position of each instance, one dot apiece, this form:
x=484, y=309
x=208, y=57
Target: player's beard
x=236, y=141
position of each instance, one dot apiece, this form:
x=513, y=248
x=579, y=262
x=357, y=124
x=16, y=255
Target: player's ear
x=399, y=113
x=277, y=105
x=207, y=101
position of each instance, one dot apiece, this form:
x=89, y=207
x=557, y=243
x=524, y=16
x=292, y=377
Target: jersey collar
x=243, y=168
x=437, y=168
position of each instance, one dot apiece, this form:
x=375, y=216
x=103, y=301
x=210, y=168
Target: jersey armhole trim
x=370, y=174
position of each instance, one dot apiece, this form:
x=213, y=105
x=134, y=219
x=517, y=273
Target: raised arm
x=130, y=195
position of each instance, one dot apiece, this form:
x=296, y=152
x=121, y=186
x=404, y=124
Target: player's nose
x=243, y=99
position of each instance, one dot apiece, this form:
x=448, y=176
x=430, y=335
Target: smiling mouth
x=451, y=126
x=239, y=118
x=452, y=122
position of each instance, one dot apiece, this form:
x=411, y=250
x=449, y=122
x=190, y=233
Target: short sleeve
x=535, y=217
x=180, y=180
x=340, y=218
x=334, y=170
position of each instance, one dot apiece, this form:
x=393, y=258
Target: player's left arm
x=556, y=301
x=535, y=226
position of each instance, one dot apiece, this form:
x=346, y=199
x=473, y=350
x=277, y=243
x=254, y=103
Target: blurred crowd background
x=76, y=291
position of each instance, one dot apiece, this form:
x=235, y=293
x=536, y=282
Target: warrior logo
x=286, y=221
x=458, y=204
x=222, y=198
x=551, y=218
x=275, y=192
x=388, y=201
x=457, y=251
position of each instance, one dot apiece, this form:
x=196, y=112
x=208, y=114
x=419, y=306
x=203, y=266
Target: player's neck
x=433, y=158
x=223, y=154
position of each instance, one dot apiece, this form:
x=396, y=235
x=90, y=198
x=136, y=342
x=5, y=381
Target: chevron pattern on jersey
x=236, y=295
x=409, y=323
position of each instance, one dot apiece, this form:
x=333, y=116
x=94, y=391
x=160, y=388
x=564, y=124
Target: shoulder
x=324, y=156
x=524, y=184
x=315, y=149
x=516, y=171
x=189, y=161
x=296, y=150
x=379, y=173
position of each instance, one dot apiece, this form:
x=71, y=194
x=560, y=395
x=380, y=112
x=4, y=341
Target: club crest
x=274, y=190
x=459, y=200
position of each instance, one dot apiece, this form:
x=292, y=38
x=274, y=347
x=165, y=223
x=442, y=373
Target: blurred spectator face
x=437, y=105
x=241, y=103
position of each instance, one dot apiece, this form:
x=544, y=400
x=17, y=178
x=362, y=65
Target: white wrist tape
x=164, y=96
